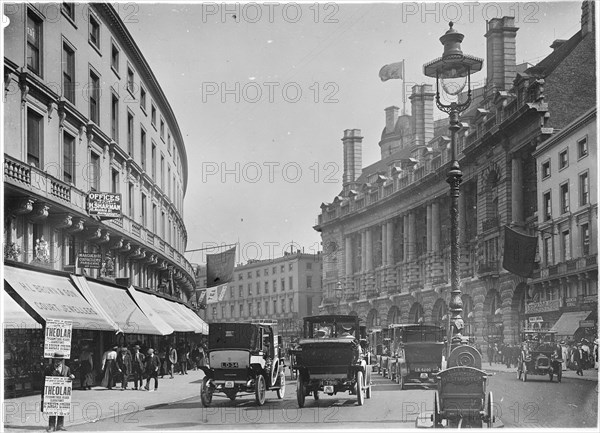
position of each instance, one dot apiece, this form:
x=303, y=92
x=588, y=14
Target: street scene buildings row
x=527, y=149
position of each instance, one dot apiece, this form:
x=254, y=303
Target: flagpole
x=403, y=89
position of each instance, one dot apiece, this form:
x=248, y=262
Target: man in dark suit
x=152, y=368
x=57, y=368
x=124, y=364
x=138, y=364
x=577, y=359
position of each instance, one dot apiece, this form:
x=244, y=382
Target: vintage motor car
x=540, y=355
x=417, y=353
x=243, y=358
x=331, y=358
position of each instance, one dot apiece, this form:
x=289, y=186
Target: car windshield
x=234, y=336
x=332, y=328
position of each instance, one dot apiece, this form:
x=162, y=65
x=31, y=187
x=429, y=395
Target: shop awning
x=118, y=305
x=568, y=323
x=45, y=295
x=200, y=326
x=147, y=304
x=15, y=317
x=169, y=313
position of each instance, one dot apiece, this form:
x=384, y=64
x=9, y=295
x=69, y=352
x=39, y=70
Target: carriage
x=243, y=358
x=331, y=358
x=540, y=355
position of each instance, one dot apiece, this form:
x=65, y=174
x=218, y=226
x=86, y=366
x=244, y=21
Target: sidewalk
x=98, y=403
x=591, y=374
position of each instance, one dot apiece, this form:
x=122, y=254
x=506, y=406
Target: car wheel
x=359, y=388
x=206, y=393
x=260, y=390
x=300, y=391
x=281, y=390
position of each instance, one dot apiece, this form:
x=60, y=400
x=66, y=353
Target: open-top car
x=243, y=358
x=331, y=359
x=540, y=355
x=417, y=353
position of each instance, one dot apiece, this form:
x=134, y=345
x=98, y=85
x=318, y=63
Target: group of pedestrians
x=501, y=353
x=119, y=363
x=580, y=356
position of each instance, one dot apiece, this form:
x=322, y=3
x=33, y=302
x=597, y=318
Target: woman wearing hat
x=56, y=368
x=109, y=367
x=86, y=366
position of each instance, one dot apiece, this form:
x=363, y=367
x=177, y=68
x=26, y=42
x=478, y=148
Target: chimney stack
x=421, y=101
x=391, y=116
x=352, y=142
x=501, y=53
x=588, y=23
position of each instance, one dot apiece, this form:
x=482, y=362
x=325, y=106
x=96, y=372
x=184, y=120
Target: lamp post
x=338, y=293
x=453, y=70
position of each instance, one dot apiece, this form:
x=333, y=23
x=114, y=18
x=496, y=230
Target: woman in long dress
x=109, y=367
x=86, y=363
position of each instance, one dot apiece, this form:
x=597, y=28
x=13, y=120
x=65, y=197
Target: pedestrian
x=109, y=367
x=490, y=353
x=162, y=356
x=194, y=353
x=124, y=364
x=152, y=368
x=585, y=352
x=56, y=368
x=138, y=366
x=182, y=357
x=577, y=359
x=86, y=367
x=171, y=359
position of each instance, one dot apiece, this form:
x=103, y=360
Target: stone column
x=411, y=236
x=363, y=251
x=348, y=256
x=390, y=243
x=384, y=262
x=369, y=239
x=517, y=190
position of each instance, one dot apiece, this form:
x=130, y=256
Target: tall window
x=566, y=245
x=309, y=281
x=94, y=29
x=548, y=250
x=168, y=180
x=162, y=223
x=131, y=200
x=114, y=118
x=114, y=181
x=94, y=97
x=585, y=239
x=143, y=98
x=153, y=116
x=144, y=219
x=546, y=169
x=162, y=172
x=68, y=157
x=130, y=80
x=162, y=129
x=291, y=283
x=130, y=134
x=94, y=172
x=34, y=43
x=563, y=159
x=35, y=131
x=143, y=148
x=68, y=68
x=154, y=219
x=547, y=206
x=582, y=147
x=564, y=198
x=153, y=162
x=584, y=189
x=114, y=58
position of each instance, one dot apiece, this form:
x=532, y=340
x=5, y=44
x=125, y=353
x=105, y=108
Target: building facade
x=285, y=289
x=386, y=235
x=84, y=115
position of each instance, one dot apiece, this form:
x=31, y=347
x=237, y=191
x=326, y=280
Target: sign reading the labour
x=57, y=338
x=105, y=205
x=89, y=260
x=57, y=395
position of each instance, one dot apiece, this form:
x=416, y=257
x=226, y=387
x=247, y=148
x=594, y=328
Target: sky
x=263, y=92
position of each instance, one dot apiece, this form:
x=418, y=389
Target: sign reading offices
x=104, y=205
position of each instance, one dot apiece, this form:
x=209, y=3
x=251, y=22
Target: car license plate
x=328, y=389
x=422, y=369
x=229, y=384
x=424, y=376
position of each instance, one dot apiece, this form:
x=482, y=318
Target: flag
x=392, y=71
x=519, y=252
x=219, y=268
x=212, y=295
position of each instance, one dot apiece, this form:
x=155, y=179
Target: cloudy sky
x=263, y=93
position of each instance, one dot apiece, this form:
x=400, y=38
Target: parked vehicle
x=417, y=356
x=331, y=358
x=540, y=355
x=243, y=358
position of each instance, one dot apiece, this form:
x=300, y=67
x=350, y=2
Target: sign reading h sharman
x=58, y=338
x=105, y=205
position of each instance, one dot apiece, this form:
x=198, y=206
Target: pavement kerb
x=590, y=374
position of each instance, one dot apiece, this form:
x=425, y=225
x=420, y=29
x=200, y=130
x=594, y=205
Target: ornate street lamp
x=454, y=71
x=338, y=293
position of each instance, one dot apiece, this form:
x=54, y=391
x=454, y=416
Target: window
x=266, y=271
x=309, y=266
x=114, y=118
x=563, y=159
x=249, y=274
x=546, y=169
x=566, y=245
x=130, y=81
x=241, y=291
x=547, y=205
x=249, y=308
x=291, y=283
x=266, y=287
x=169, y=141
x=258, y=272
x=309, y=281
x=34, y=43
x=154, y=218
x=94, y=96
x=130, y=145
x=291, y=266
x=162, y=171
x=240, y=277
x=274, y=285
x=114, y=181
x=69, y=10
x=585, y=239
x=291, y=304
x=282, y=268
x=153, y=161
x=94, y=29
x=564, y=198
x=274, y=306
x=35, y=133
x=266, y=307
x=68, y=68
x=282, y=284
x=143, y=99
x=114, y=58
x=153, y=116
x=258, y=288
x=250, y=289
x=582, y=147
x=258, y=308
x=94, y=172
x=143, y=148
x=131, y=201
x=162, y=225
x=274, y=270
x=168, y=179
x=584, y=189
x=162, y=129
x=68, y=157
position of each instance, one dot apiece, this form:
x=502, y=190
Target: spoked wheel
x=206, y=393
x=360, y=396
x=260, y=390
x=281, y=390
x=489, y=410
x=316, y=394
x=300, y=391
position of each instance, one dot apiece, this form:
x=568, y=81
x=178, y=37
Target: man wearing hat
x=152, y=368
x=124, y=364
x=56, y=368
x=137, y=365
